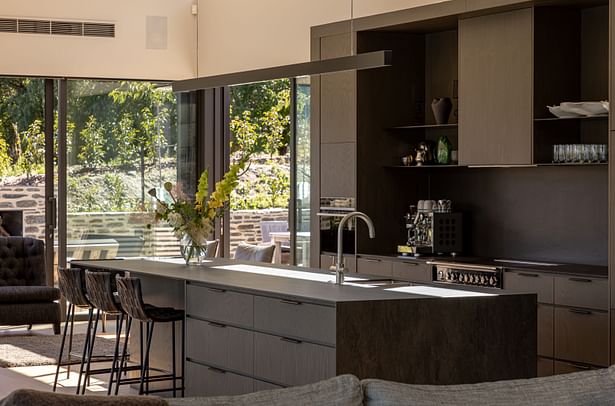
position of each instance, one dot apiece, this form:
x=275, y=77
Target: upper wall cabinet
x=495, y=85
x=337, y=122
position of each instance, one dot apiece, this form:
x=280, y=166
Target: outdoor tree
x=146, y=112
x=92, y=154
x=32, y=149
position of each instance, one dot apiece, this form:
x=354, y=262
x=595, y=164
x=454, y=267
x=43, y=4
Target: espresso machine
x=432, y=229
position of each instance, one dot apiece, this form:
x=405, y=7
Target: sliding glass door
x=119, y=140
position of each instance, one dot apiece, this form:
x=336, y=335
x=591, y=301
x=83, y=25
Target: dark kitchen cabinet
x=495, y=85
x=582, y=335
x=374, y=266
x=412, y=271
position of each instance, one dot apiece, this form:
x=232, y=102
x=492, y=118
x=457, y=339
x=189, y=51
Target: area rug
x=38, y=349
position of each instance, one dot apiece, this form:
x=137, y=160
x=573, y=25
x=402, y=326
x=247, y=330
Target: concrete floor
x=41, y=377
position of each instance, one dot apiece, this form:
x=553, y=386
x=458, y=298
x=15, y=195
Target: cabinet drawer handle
x=290, y=302
x=217, y=370
x=409, y=263
x=290, y=340
x=529, y=275
x=579, y=311
x=579, y=280
x=579, y=366
x=214, y=324
x=371, y=259
x=217, y=290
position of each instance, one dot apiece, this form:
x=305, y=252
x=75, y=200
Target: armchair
x=24, y=298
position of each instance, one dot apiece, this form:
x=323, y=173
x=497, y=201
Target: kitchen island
x=254, y=326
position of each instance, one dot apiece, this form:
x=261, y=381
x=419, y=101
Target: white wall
x=124, y=56
x=236, y=35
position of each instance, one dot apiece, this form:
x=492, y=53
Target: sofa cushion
x=595, y=387
x=29, y=397
x=343, y=390
x=28, y=294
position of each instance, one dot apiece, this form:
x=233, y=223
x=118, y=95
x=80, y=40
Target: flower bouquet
x=193, y=220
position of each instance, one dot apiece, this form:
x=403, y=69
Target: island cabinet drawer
x=220, y=345
x=374, y=266
x=544, y=367
x=562, y=367
x=203, y=380
x=220, y=305
x=413, y=271
x=262, y=385
x=291, y=362
x=582, y=336
x=545, y=330
x=295, y=319
x=530, y=282
x=582, y=292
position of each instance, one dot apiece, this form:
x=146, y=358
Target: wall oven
x=331, y=212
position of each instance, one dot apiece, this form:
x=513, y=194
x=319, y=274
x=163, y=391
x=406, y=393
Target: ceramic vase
x=443, y=152
x=441, y=107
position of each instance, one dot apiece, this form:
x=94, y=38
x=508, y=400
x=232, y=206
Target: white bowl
x=605, y=104
x=584, y=108
x=558, y=112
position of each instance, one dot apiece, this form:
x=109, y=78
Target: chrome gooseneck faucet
x=339, y=263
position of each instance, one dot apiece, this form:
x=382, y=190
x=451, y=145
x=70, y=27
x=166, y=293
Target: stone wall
x=29, y=199
x=245, y=224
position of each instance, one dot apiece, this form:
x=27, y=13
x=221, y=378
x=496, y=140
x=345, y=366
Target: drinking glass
x=594, y=153
x=556, y=153
x=603, y=152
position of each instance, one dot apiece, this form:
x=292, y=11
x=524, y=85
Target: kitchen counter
x=292, y=327
x=595, y=271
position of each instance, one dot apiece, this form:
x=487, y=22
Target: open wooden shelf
x=424, y=166
x=423, y=126
x=573, y=164
x=602, y=117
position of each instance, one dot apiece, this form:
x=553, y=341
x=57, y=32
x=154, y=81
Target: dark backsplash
x=544, y=213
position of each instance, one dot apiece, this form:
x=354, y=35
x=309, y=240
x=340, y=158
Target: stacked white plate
x=580, y=109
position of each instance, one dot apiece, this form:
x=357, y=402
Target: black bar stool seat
x=129, y=291
x=72, y=287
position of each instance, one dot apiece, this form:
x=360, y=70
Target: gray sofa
x=24, y=298
x=594, y=388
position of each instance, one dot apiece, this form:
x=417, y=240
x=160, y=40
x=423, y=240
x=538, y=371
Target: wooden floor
x=41, y=377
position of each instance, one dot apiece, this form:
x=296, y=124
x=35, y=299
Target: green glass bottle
x=443, y=152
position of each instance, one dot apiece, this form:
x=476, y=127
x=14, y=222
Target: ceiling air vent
x=99, y=30
x=75, y=28
x=8, y=25
x=34, y=26
x=66, y=28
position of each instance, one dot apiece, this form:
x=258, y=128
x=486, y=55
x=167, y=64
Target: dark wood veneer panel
x=429, y=342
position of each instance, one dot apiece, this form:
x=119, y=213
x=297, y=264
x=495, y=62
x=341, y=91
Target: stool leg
x=124, y=352
x=183, y=359
x=118, y=331
x=70, y=343
x=145, y=361
x=68, y=313
x=90, y=352
x=86, y=347
x=174, y=366
x=104, y=322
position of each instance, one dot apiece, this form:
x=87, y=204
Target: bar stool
x=129, y=291
x=72, y=286
x=100, y=288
